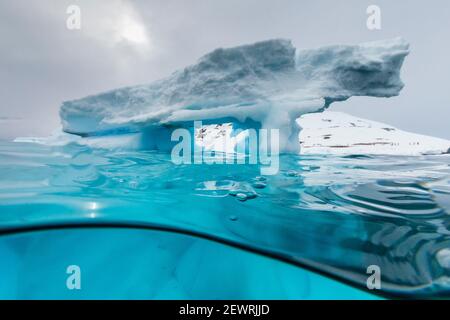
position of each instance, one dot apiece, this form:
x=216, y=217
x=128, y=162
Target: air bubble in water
x=443, y=257
x=241, y=196
x=259, y=185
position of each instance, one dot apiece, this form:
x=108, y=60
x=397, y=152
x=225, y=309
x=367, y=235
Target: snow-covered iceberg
x=263, y=85
x=340, y=133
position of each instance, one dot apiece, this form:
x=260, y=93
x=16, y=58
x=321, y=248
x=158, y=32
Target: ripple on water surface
x=336, y=214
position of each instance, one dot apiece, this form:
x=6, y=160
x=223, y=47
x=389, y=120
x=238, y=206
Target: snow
x=263, y=85
x=342, y=134
x=216, y=137
x=57, y=138
x=60, y=138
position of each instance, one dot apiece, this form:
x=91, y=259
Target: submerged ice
x=337, y=215
x=268, y=84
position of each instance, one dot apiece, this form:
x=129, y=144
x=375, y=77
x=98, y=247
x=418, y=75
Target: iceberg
x=268, y=84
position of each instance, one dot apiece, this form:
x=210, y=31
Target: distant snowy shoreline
x=340, y=133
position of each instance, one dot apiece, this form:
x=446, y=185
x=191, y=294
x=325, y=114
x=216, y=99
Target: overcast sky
x=122, y=43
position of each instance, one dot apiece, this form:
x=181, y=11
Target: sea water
x=138, y=226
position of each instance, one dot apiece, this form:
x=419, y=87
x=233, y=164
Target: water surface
x=322, y=218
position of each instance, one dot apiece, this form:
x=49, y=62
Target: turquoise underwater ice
x=139, y=226
x=147, y=264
